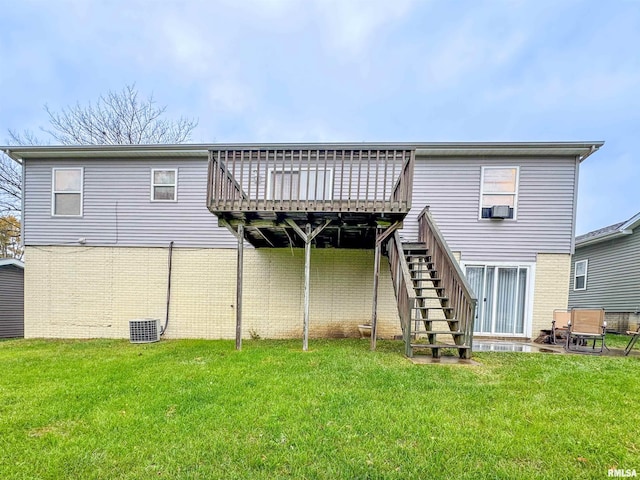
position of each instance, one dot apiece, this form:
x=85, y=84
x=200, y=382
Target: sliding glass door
x=502, y=295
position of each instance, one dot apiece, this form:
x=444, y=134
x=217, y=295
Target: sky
x=341, y=70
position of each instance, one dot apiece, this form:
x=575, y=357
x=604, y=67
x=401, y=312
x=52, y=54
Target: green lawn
x=198, y=409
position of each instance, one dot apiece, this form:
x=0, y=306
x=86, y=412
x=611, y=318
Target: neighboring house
x=606, y=273
x=98, y=221
x=11, y=298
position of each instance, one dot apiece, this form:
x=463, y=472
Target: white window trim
x=531, y=287
x=515, y=194
x=174, y=185
x=329, y=188
x=53, y=191
x=575, y=274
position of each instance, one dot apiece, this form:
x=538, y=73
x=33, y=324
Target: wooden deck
x=348, y=192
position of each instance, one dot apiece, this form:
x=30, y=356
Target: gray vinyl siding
x=545, y=208
x=118, y=209
x=11, y=301
x=613, y=275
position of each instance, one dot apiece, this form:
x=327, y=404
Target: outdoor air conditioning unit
x=499, y=211
x=145, y=330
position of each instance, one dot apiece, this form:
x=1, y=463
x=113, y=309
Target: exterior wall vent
x=500, y=211
x=145, y=330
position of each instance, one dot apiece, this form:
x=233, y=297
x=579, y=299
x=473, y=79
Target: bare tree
x=10, y=187
x=10, y=238
x=117, y=118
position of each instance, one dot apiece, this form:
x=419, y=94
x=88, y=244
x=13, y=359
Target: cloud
x=350, y=27
x=465, y=53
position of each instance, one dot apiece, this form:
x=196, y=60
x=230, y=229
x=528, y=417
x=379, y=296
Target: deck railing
x=461, y=297
x=310, y=180
x=403, y=287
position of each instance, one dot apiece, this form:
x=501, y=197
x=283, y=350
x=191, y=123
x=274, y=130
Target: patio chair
x=561, y=319
x=586, y=324
x=632, y=340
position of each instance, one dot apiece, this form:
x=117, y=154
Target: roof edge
x=11, y=261
x=17, y=153
x=626, y=228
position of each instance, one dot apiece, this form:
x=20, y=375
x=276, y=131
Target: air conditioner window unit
x=144, y=330
x=500, y=211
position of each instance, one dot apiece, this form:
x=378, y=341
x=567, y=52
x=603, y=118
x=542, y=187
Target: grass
x=198, y=409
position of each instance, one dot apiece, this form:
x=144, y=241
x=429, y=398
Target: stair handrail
x=461, y=296
x=402, y=286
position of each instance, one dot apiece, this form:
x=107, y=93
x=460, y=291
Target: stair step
x=437, y=332
x=428, y=288
x=439, y=345
x=422, y=270
x=414, y=246
x=432, y=320
x=432, y=308
x=430, y=297
x=427, y=279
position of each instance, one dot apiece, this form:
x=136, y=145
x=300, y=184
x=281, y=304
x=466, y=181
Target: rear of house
x=11, y=298
x=98, y=222
x=606, y=273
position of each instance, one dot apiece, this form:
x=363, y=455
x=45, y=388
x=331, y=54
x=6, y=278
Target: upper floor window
x=66, y=192
x=580, y=275
x=164, y=185
x=499, y=188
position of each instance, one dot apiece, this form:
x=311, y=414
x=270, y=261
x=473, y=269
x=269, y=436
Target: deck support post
x=381, y=236
x=307, y=275
x=239, y=287
x=376, y=279
x=308, y=235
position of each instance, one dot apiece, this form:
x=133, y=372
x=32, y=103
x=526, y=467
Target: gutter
x=54, y=151
x=593, y=150
x=9, y=154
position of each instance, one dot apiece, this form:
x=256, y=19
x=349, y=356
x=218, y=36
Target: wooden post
x=307, y=275
x=239, y=288
x=376, y=278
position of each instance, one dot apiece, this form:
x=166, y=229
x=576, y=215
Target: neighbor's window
x=580, y=275
x=499, y=187
x=164, y=185
x=66, y=192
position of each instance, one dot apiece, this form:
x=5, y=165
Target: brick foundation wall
x=88, y=292
x=551, y=290
x=621, y=321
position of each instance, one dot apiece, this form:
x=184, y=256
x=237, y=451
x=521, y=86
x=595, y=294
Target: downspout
x=166, y=318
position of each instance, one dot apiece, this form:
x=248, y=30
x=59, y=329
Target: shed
x=11, y=298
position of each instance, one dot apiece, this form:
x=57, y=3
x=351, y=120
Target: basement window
x=66, y=192
x=499, y=187
x=164, y=185
x=580, y=275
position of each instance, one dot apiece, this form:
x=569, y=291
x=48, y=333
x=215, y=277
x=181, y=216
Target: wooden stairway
x=433, y=323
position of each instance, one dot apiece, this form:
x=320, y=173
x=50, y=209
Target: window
x=66, y=192
x=580, y=275
x=300, y=185
x=164, y=185
x=502, y=292
x=499, y=187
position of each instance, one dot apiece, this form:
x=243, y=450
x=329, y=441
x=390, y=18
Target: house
x=11, y=298
x=435, y=241
x=606, y=273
